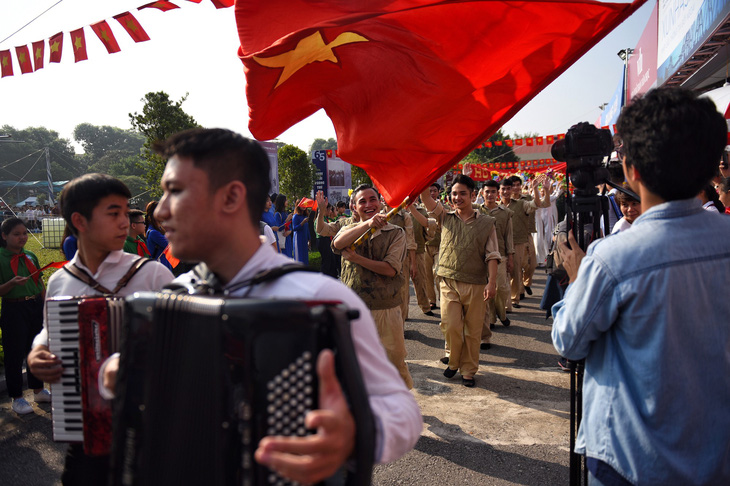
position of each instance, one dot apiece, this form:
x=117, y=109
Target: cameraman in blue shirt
x=648, y=308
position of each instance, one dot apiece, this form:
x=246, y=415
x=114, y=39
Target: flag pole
x=366, y=236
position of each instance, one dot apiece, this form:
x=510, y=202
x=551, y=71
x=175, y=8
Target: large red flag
x=132, y=26
x=163, y=5
x=24, y=61
x=78, y=41
x=39, y=50
x=55, y=44
x=6, y=63
x=411, y=86
x=105, y=35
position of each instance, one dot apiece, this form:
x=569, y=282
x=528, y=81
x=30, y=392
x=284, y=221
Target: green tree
x=322, y=144
x=494, y=153
x=137, y=187
x=160, y=118
x=22, y=157
x=99, y=141
x=296, y=173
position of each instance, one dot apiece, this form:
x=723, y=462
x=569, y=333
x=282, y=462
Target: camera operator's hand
x=571, y=255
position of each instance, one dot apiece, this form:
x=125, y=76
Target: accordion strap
x=84, y=276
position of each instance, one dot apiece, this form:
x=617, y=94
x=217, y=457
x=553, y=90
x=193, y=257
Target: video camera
x=584, y=150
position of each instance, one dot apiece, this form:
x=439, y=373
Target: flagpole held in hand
x=366, y=236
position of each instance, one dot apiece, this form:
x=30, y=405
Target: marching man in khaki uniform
x=468, y=260
x=497, y=306
x=374, y=272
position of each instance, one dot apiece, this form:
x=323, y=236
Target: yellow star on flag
x=131, y=26
x=104, y=36
x=21, y=57
x=78, y=43
x=5, y=61
x=38, y=53
x=54, y=46
x=308, y=50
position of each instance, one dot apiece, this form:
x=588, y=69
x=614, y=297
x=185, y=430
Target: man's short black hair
x=674, y=140
x=341, y=204
x=436, y=185
x=466, y=180
x=491, y=183
x=136, y=214
x=516, y=180
x=507, y=181
x=82, y=195
x=224, y=156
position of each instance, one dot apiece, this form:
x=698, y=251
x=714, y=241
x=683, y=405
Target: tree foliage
x=494, y=153
x=296, y=173
x=322, y=144
x=160, y=118
x=99, y=141
x=17, y=163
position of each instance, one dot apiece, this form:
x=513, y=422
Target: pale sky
x=193, y=50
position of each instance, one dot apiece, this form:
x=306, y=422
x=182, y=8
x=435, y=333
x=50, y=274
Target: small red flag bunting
x=105, y=35
x=6, y=63
x=39, y=50
x=55, y=44
x=163, y=5
x=79, y=45
x=24, y=59
x=132, y=26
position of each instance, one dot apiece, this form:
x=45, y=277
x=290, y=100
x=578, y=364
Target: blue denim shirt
x=650, y=312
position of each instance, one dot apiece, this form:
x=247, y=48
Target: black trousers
x=83, y=470
x=20, y=323
x=329, y=266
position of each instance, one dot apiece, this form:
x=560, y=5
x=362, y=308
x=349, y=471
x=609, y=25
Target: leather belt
x=23, y=299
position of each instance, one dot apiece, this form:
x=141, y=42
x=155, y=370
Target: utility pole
x=50, y=179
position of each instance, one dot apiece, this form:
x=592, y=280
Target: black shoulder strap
x=84, y=276
x=206, y=282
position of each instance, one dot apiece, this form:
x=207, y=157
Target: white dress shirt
x=152, y=276
x=397, y=416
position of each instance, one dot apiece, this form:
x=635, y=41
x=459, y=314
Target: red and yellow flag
x=132, y=26
x=24, y=59
x=39, y=50
x=6, y=63
x=163, y=5
x=55, y=44
x=78, y=41
x=105, y=35
x=411, y=86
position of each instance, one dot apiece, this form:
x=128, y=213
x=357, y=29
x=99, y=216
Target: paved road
x=512, y=428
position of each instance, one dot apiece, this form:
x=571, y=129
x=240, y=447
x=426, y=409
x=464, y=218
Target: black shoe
x=522, y=296
x=563, y=365
x=468, y=382
x=491, y=326
x=485, y=346
x=445, y=360
x=528, y=290
x=516, y=306
x=429, y=313
x=434, y=306
x=506, y=322
x=449, y=373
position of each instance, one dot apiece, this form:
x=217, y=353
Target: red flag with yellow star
x=6, y=64
x=39, y=49
x=411, y=86
x=24, y=61
x=132, y=26
x=78, y=41
x=105, y=35
x=163, y=5
x=55, y=44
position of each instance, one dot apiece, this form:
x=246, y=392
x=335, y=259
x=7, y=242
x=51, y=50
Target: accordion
x=83, y=332
x=203, y=379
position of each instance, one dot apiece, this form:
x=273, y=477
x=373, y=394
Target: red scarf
x=15, y=260
x=142, y=248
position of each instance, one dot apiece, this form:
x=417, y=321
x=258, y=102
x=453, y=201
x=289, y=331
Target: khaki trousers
x=521, y=253
x=389, y=323
x=420, y=283
x=432, y=257
x=497, y=305
x=462, y=318
x=529, y=264
x=406, y=290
